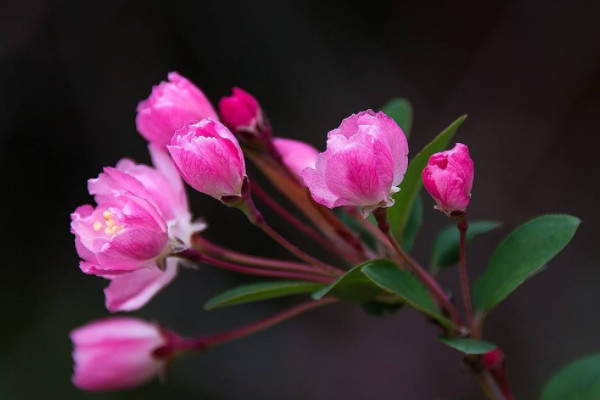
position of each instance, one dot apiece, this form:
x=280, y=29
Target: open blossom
x=365, y=161
x=170, y=105
x=209, y=158
x=142, y=215
x=296, y=155
x=448, y=177
x=116, y=353
x=241, y=112
x=120, y=235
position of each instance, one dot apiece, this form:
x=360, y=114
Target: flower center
x=109, y=224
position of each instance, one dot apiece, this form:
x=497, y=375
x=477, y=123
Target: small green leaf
x=352, y=286
x=411, y=184
x=467, y=345
x=388, y=276
x=520, y=255
x=579, y=380
x=446, y=247
x=415, y=218
x=401, y=111
x=260, y=291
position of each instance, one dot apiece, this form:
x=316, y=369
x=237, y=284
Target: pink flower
x=209, y=158
x=241, y=112
x=116, y=353
x=448, y=177
x=365, y=161
x=161, y=186
x=120, y=235
x=170, y=105
x=131, y=291
x=296, y=155
x=141, y=217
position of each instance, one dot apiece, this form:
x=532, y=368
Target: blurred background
x=526, y=72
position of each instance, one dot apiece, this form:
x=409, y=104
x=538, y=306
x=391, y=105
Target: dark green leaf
x=388, y=276
x=260, y=291
x=446, y=247
x=579, y=380
x=352, y=286
x=401, y=111
x=415, y=218
x=520, y=255
x=468, y=346
x=411, y=184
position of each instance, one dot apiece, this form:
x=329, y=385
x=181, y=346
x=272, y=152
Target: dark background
x=527, y=73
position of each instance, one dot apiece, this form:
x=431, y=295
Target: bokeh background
x=527, y=73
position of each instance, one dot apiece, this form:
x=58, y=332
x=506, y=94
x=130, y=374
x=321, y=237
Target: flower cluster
x=141, y=228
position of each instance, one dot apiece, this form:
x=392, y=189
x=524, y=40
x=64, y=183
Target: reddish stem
x=206, y=246
x=198, y=257
x=179, y=343
x=257, y=219
x=298, y=224
x=381, y=217
x=463, y=226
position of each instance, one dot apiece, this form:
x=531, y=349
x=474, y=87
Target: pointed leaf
x=446, y=247
x=468, y=346
x=401, y=111
x=411, y=184
x=352, y=286
x=388, y=276
x=260, y=291
x=523, y=253
x=415, y=219
x=579, y=380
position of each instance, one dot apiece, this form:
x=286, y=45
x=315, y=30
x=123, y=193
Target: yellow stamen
x=97, y=225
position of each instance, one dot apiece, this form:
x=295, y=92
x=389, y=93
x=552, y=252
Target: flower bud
x=116, y=353
x=296, y=155
x=242, y=113
x=170, y=105
x=209, y=158
x=365, y=161
x=448, y=177
x=495, y=362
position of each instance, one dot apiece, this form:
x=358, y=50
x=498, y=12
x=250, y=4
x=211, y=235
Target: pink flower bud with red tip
x=209, y=158
x=296, y=155
x=242, y=113
x=169, y=107
x=448, y=177
x=116, y=354
x=365, y=161
x=495, y=362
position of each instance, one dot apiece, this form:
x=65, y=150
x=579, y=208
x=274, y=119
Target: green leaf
x=579, y=380
x=415, y=218
x=468, y=346
x=260, y=291
x=352, y=286
x=446, y=246
x=401, y=111
x=411, y=184
x=388, y=276
x=520, y=255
